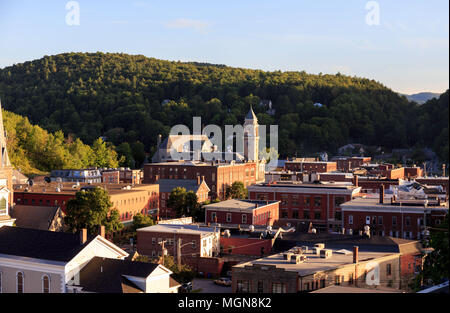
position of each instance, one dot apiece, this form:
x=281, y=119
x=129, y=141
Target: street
x=208, y=286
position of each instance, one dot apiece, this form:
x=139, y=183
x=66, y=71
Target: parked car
x=223, y=282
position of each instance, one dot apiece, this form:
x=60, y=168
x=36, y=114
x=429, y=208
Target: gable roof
x=36, y=217
x=251, y=115
x=40, y=244
x=108, y=275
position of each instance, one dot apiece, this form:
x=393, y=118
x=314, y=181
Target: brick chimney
x=198, y=180
x=381, y=194
x=83, y=236
x=355, y=254
x=101, y=231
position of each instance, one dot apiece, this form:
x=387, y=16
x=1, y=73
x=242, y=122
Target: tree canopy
x=91, y=209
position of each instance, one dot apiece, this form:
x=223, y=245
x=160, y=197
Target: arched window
x=20, y=282
x=46, y=284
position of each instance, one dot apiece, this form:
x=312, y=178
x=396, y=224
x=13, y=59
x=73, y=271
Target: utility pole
x=179, y=253
x=162, y=249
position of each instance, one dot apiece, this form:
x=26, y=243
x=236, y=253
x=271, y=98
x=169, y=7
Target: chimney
x=102, y=231
x=83, y=236
x=355, y=254
x=203, y=178
x=381, y=194
x=198, y=180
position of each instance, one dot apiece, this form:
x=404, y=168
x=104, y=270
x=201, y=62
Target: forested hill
x=34, y=151
x=131, y=99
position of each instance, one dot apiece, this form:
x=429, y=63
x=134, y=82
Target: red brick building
x=126, y=199
x=346, y=164
x=316, y=203
x=395, y=218
x=310, y=167
x=196, y=242
x=246, y=246
x=110, y=177
x=217, y=175
x=242, y=212
x=198, y=186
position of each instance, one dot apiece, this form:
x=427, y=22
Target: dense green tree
x=185, y=203
x=91, y=209
x=140, y=221
x=237, y=190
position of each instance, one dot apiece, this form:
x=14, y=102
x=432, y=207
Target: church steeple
x=251, y=137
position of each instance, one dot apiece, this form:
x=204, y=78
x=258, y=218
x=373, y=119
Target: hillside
x=131, y=99
x=34, y=151
x=422, y=97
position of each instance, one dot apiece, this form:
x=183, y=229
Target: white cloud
x=197, y=25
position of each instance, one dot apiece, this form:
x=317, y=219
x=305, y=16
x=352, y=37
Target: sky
x=404, y=44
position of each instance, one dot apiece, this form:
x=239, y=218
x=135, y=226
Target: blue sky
x=408, y=51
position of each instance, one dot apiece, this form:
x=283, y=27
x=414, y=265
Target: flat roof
x=299, y=184
x=199, y=163
x=373, y=202
x=240, y=205
x=179, y=229
x=314, y=263
x=346, y=289
x=70, y=188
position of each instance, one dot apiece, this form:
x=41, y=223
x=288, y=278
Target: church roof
x=251, y=115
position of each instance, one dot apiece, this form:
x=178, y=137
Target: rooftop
x=70, y=188
x=398, y=205
x=109, y=275
x=240, y=205
x=314, y=263
x=36, y=217
x=40, y=244
x=179, y=229
x=299, y=184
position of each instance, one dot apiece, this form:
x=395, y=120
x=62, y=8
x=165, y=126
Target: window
x=3, y=206
x=350, y=219
x=317, y=215
x=244, y=218
x=380, y=220
x=306, y=286
x=278, y=288
x=338, y=216
x=388, y=269
x=295, y=214
x=317, y=201
x=306, y=215
x=284, y=214
x=350, y=279
x=337, y=280
x=194, y=244
x=306, y=201
x=213, y=217
x=408, y=221
x=322, y=283
x=45, y=284
x=394, y=220
x=243, y=286
x=20, y=282
x=228, y=217
x=260, y=287
x=338, y=201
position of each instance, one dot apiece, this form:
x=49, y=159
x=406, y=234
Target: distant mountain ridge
x=422, y=97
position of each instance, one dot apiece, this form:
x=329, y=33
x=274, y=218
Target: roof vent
x=326, y=253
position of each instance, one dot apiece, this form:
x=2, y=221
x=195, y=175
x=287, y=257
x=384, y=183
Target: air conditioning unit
x=287, y=256
x=320, y=245
x=326, y=253
x=317, y=250
x=305, y=249
x=296, y=259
